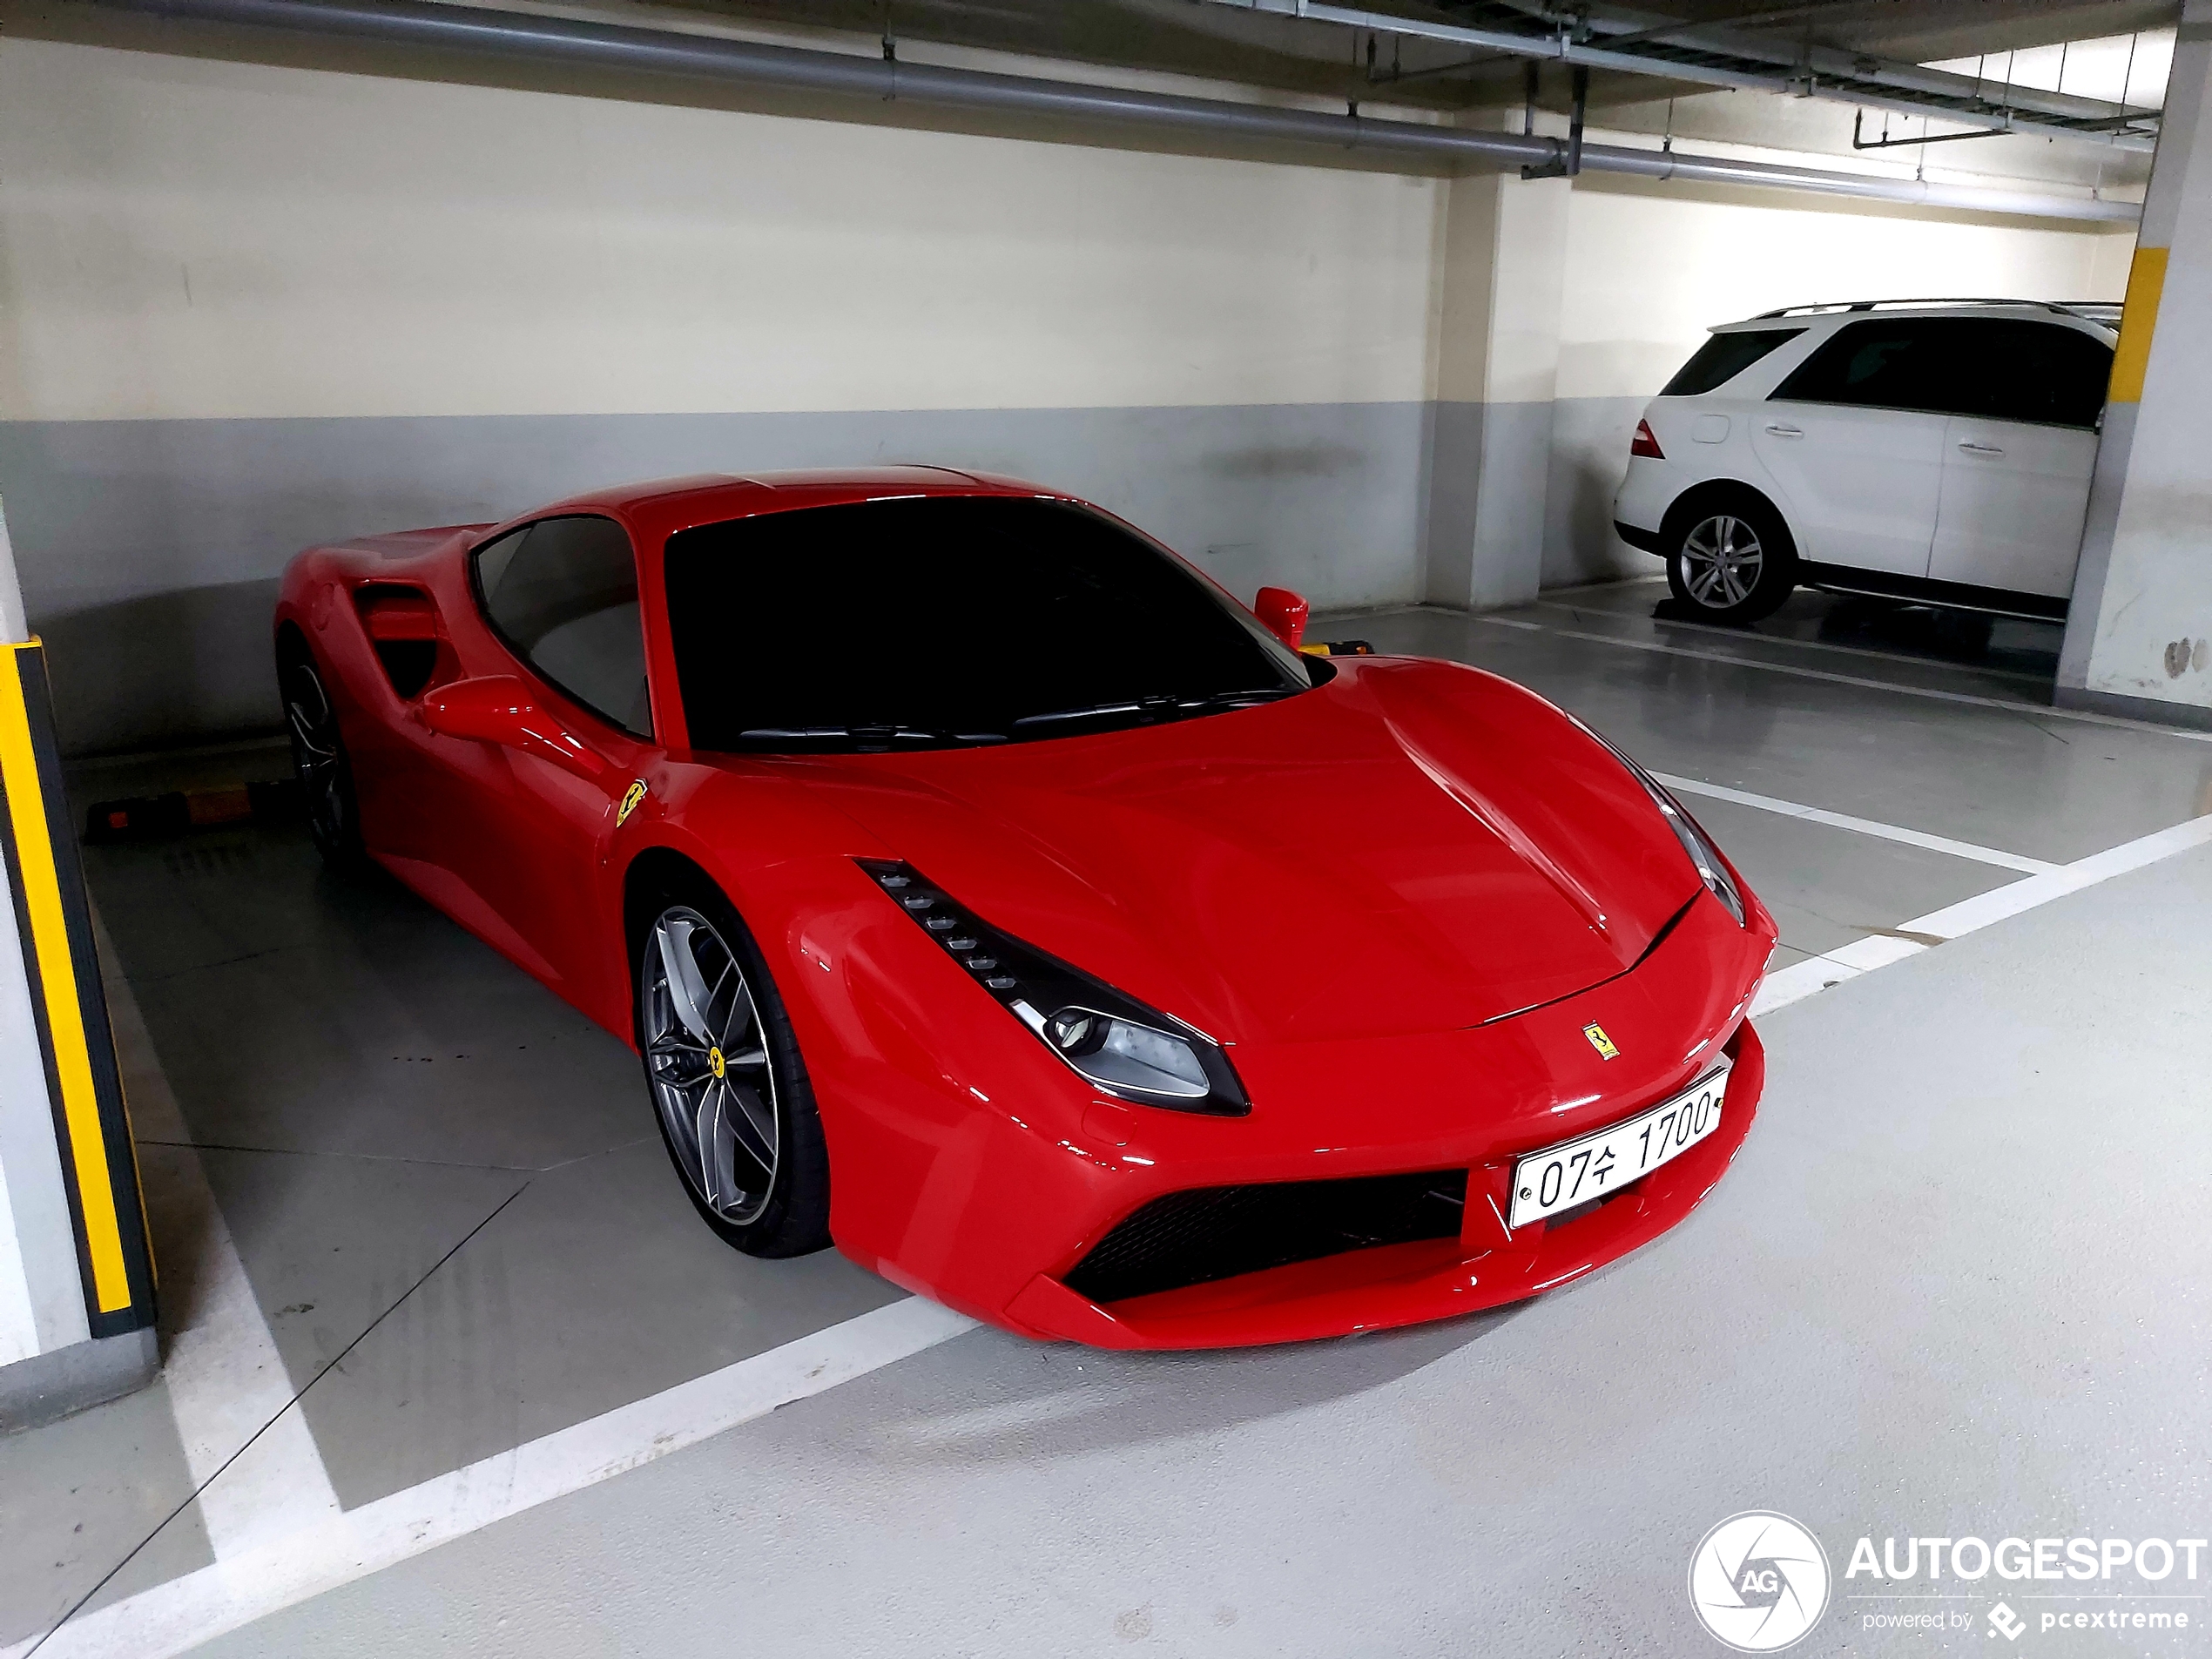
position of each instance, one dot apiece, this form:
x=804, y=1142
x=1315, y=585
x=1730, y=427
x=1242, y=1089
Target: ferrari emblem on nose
x=630, y=797
x=1600, y=1042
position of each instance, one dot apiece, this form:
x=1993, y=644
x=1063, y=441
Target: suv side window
x=563, y=595
x=2042, y=373
x=1722, y=357
x=1919, y=363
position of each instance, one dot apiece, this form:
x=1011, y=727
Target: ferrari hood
x=1413, y=846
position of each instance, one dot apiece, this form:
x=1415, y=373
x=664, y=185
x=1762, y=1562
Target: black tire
x=1730, y=559
x=320, y=761
x=709, y=1103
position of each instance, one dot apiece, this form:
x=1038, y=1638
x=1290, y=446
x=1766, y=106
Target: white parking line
x=2033, y=710
x=1861, y=826
x=281, y=1571
x=1720, y=631
x=225, y=1381
x=1817, y=974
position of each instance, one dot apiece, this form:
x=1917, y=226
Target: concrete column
x=1497, y=369
x=75, y=1280
x=14, y=628
x=2139, y=637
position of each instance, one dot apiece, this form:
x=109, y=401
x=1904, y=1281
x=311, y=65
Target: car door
x=1854, y=438
x=2016, y=470
x=560, y=596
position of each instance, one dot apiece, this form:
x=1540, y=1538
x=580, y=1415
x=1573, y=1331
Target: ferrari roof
x=752, y=492
x=659, y=508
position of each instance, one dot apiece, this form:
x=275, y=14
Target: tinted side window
x=2039, y=372
x=563, y=593
x=1889, y=363
x=1722, y=357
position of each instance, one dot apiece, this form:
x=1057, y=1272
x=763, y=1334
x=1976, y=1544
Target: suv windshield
x=931, y=622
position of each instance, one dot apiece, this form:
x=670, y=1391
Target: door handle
x=1981, y=448
x=1780, y=431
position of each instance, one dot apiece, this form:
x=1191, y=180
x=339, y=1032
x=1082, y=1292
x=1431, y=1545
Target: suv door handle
x=1981, y=448
x=1780, y=431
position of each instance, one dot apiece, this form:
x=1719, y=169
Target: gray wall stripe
x=149, y=550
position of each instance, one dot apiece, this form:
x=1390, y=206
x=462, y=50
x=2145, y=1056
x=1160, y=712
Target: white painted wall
x=1648, y=273
x=246, y=306
x=189, y=238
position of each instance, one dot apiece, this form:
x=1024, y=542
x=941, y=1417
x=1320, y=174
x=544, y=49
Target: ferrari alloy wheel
x=319, y=761
x=1733, y=563
x=731, y=1098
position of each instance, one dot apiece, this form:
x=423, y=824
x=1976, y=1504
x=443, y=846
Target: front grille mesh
x=1217, y=1232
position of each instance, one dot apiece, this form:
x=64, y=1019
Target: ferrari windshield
x=934, y=621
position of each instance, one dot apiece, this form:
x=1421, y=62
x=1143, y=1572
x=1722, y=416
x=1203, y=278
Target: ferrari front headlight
x=1712, y=870
x=1115, y=1043
x=1120, y=1053
x=1704, y=857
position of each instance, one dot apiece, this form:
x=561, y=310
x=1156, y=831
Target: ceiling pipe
x=1719, y=170
x=1732, y=37
x=566, y=40
x=1783, y=72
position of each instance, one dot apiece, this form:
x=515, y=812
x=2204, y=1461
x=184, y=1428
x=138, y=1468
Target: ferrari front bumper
x=1386, y=1285
x=1367, y=1188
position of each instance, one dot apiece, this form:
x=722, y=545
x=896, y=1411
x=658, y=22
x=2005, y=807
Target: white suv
x=1938, y=451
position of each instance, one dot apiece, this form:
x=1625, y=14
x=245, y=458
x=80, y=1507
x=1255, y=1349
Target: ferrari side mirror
x=1283, y=613
x=499, y=708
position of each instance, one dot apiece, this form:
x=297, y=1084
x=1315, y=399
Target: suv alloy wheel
x=1730, y=561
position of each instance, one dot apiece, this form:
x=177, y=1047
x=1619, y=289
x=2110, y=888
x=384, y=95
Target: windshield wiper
x=1240, y=699
x=1153, y=708
x=865, y=736
x=893, y=736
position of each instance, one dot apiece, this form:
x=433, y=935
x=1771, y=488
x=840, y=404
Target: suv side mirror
x=498, y=708
x=1283, y=613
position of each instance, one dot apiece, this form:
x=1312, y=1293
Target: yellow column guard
x=58, y=981
x=2138, y=317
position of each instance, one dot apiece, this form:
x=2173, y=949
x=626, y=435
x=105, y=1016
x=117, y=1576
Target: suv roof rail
x=2084, y=308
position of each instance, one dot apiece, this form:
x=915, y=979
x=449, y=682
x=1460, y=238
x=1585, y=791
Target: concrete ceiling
x=1287, y=54
x=1922, y=32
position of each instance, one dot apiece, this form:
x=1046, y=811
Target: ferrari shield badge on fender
x=1600, y=1042
x=636, y=792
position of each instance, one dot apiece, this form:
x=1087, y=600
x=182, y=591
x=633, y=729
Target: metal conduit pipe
x=1719, y=170
x=1813, y=67
x=548, y=39
x=1841, y=77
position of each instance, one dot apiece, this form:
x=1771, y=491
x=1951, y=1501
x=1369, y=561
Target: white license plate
x=1561, y=1178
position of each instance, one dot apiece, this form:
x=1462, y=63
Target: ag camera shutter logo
x=1758, y=1581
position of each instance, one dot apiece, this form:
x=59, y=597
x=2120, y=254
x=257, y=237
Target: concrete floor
x=1953, y=1284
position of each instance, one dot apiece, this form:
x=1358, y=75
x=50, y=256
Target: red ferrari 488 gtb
x=985, y=890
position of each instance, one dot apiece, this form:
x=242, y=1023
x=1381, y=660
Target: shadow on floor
x=1060, y=1400
x=1965, y=638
